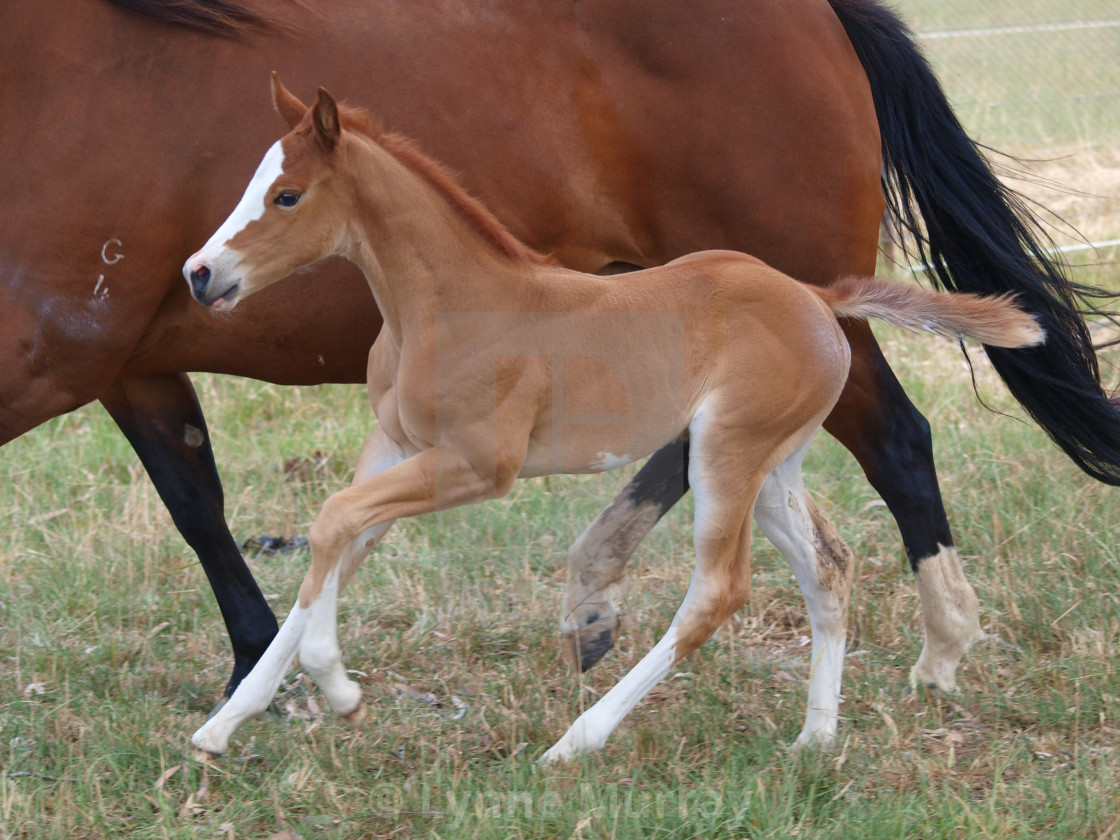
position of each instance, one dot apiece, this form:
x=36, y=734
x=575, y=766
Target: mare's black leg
x=598, y=558
x=163, y=421
x=891, y=440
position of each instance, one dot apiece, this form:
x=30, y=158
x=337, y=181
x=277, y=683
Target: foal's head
x=288, y=217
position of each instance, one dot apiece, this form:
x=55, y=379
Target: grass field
x=113, y=650
x=114, y=653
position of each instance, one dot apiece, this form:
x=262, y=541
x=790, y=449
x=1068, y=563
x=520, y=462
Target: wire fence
x=1039, y=79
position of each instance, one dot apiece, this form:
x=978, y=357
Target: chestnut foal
x=494, y=364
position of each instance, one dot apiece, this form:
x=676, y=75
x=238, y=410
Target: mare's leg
x=823, y=566
x=891, y=440
x=598, y=558
x=160, y=416
x=388, y=486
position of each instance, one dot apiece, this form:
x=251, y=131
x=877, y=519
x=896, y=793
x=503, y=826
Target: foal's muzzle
x=203, y=284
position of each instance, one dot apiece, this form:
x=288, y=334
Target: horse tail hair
x=994, y=320
x=978, y=236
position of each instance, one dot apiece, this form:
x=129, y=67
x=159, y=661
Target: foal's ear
x=286, y=103
x=325, y=119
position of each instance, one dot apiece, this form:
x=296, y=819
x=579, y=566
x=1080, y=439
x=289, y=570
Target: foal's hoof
x=210, y=759
x=273, y=709
x=591, y=643
x=917, y=683
x=924, y=679
x=809, y=741
x=355, y=717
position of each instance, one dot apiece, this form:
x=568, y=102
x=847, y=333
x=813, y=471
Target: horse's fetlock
x=317, y=655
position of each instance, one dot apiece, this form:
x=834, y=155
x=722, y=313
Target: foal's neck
x=419, y=251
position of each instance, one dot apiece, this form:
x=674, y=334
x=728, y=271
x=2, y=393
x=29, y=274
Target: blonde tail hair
x=993, y=320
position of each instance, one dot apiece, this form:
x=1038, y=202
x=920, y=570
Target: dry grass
x=1078, y=184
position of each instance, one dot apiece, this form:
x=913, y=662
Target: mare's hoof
x=589, y=645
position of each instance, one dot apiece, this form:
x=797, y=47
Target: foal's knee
x=331, y=529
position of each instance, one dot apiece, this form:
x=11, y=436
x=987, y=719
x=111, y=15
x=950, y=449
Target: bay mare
x=611, y=135
x=489, y=350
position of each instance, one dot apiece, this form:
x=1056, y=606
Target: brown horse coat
x=485, y=345
x=609, y=134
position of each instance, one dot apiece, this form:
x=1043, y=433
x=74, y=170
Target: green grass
x=114, y=652
x=1025, y=74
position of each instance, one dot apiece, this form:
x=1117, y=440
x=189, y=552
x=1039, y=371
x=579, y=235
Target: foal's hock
x=492, y=359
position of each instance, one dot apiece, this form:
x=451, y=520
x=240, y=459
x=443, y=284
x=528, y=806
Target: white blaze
x=252, y=204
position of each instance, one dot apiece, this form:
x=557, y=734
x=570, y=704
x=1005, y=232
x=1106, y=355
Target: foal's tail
x=993, y=320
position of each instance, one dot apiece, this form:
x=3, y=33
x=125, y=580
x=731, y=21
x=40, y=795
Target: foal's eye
x=287, y=199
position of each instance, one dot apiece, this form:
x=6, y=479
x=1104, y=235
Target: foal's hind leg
x=719, y=586
x=823, y=566
x=598, y=558
x=890, y=438
x=726, y=474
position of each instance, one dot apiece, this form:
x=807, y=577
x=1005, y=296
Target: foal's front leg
x=434, y=479
x=256, y=691
x=351, y=521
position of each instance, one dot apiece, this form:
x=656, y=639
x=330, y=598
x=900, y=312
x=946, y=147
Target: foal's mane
x=445, y=183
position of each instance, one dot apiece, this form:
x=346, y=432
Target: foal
x=495, y=364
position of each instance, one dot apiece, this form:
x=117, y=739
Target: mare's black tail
x=979, y=236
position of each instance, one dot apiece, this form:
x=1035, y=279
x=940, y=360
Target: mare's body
x=608, y=134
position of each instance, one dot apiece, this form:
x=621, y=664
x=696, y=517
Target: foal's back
x=617, y=368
